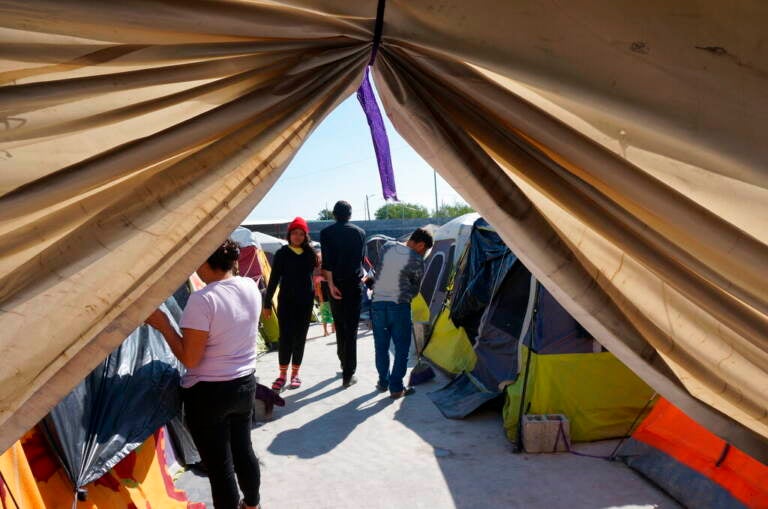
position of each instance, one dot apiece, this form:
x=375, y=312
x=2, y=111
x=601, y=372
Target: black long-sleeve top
x=343, y=246
x=293, y=272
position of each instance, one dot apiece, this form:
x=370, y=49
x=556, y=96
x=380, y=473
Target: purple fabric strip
x=379, y=136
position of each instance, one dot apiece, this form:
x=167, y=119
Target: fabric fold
x=618, y=149
x=124, y=226
x=453, y=133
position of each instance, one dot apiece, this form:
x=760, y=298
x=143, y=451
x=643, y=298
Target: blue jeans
x=391, y=322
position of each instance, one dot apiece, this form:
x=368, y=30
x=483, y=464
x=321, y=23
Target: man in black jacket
x=343, y=249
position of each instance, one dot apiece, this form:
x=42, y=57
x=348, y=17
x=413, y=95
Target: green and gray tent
x=522, y=345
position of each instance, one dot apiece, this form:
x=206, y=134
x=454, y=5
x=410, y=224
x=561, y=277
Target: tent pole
x=519, y=435
x=10, y=491
x=631, y=429
x=436, y=209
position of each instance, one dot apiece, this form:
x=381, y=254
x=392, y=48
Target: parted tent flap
x=617, y=148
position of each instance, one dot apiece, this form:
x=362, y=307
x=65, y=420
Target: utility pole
x=435, y=175
x=368, y=205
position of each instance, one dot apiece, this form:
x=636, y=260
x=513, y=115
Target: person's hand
x=335, y=292
x=158, y=320
x=266, y=313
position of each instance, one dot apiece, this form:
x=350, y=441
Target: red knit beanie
x=298, y=224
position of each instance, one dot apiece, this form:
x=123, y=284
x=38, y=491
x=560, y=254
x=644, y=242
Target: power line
x=338, y=166
x=330, y=168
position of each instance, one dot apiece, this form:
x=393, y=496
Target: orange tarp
x=18, y=487
x=668, y=429
x=141, y=479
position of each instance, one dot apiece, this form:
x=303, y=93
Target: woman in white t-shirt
x=218, y=347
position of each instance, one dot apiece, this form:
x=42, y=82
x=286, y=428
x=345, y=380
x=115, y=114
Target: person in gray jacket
x=396, y=282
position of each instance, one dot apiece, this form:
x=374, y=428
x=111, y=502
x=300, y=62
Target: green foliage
x=401, y=210
x=455, y=210
x=325, y=215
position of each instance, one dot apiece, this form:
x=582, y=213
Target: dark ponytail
x=225, y=257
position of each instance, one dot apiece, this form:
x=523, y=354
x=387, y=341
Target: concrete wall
x=392, y=227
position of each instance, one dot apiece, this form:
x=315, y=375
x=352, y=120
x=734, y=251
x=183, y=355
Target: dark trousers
x=219, y=419
x=346, y=316
x=294, y=320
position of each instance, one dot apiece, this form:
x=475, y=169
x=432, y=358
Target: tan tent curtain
x=618, y=147
x=126, y=159
x=429, y=115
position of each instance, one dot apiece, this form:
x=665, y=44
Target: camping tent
x=253, y=263
x=106, y=439
x=140, y=479
x=693, y=465
x=449, y=242
x=617, y=147
x=268, y=243
x=373, y=247
x=431, y=228
x=525, y=346
x=19, y=488
x=131, y=394
x=252, y=257
x=450, y=347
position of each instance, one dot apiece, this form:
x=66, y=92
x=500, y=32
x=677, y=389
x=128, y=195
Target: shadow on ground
x=349, y=448
x=295, y=400
x=482, y=471
x=323, y=434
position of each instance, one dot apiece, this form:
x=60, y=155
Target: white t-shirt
x=229, y=311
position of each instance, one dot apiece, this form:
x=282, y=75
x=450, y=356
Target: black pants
x=346, y=316
x=294, y=320
x=219, y=418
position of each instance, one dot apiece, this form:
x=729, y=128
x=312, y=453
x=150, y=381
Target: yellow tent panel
x=419, y=309
x=449, y=347
x=600, y=396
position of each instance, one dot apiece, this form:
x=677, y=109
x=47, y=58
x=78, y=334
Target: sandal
x=295, y=382
x=278, y=384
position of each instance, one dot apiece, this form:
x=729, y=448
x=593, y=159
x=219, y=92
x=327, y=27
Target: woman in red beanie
x=292, y=269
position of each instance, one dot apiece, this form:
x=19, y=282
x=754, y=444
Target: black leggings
x=294, y=320
x=219, y=419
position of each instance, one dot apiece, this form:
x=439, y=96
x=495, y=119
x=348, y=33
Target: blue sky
x=337, y=162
